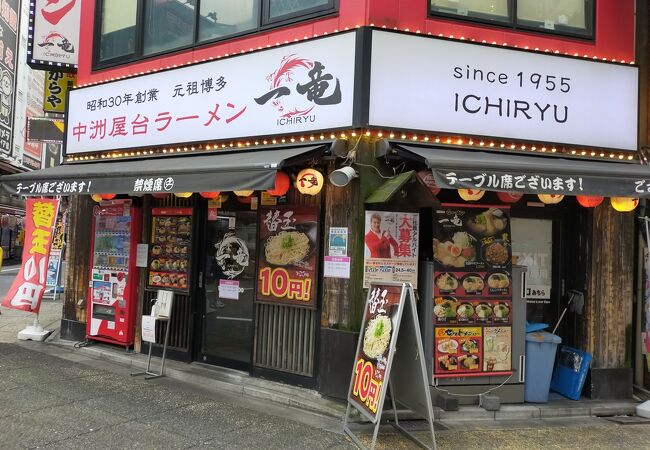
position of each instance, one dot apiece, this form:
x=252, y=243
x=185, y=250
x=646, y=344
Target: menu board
x=472, y=278
x=458, y=350
x=497, y=349
x=371, y=362
x=288, y=255
x=169, y=252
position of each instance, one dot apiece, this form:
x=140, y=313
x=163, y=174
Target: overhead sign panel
x=293, y=89
x=428, y=84
x=53, y=40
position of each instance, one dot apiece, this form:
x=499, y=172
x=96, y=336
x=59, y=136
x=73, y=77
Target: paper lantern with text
x=550, y=199
x=471, y=195
x=309, y=181
x=209, y=194
x=624, y=204
x=509, y=197
x=183, y=194
x=282, y=183
x=96, y=197
x=589, y=201
x=107, y=196
x=244, y=193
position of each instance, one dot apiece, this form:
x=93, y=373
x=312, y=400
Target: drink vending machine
x=112, y=297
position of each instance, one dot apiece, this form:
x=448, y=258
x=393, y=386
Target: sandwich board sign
x=389, y=355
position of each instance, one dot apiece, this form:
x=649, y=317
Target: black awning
x=238, y=170
x=463, y=169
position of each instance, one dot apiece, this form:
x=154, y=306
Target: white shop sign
x=421, y=83
x=291, y=89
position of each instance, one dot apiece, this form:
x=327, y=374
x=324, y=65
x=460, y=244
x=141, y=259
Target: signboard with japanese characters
x=288, y=255
x=57, y=84
x=53, y=40
x=391, y=247
x=297, y=88
x=58, y=243
x=479, y=90
x=27, y=290
x=472, y=260
x=8, y=50
x=389, y=322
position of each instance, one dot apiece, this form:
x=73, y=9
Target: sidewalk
x=326, y=411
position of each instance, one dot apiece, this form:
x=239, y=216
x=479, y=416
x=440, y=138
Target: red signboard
x=27, y=290
x=288, y=254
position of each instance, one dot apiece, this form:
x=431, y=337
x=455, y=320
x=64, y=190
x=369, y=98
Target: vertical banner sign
x=27, y=289
x=472, y=291
x=391, y=247
x=8, y=50
x=56, y=89
x=288, y=255
x=53, y=39
x=54, y=264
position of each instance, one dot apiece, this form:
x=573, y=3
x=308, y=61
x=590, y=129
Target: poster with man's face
x=391, y=247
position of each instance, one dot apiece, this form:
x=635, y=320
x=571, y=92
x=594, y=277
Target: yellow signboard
x=56, y=89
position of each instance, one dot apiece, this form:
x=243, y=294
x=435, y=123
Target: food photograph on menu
x=169, y=252
x=472, y=289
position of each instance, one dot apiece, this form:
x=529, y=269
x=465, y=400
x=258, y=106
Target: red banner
x=27, y=290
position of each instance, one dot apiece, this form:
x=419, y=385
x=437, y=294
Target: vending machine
x=112, y=296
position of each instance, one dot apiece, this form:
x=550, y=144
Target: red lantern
x=426, y=177
x=589, y=201
x=160, y=195
x=509, y=197
x=209, y=194
x=282, y=183
x=107, y=196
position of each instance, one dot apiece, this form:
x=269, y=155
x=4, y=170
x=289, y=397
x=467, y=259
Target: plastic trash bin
x=570, y=372
x=540, y=357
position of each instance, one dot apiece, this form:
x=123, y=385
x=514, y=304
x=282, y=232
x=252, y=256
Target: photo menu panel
x=472, y=287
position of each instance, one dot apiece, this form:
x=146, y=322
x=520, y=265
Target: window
x=566, y=17
x=118, y=24
x=132, y=29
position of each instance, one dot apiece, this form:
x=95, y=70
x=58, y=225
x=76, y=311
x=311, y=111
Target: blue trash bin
x=540, y=357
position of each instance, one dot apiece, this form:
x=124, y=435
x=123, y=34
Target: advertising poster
x=56, y=90
x=338, y=241
x=28, y=287
x=458, y=350
x=288, y=255
x=497, y=355
x=171, y=244
x=391, y=247
x=379, y=321
x=472, y=254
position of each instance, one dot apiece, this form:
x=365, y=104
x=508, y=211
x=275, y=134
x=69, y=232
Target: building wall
x=614, y=34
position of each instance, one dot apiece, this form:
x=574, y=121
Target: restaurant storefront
x=354, y=138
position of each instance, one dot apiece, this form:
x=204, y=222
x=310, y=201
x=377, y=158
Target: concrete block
x=490, y=402
x=445, y=402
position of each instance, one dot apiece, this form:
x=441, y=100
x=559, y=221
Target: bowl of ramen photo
x=287, y=248
x=376, y=338
x=446, y=282
x=498, y=280
x=487, y=223
x=473, y=283
x=483, y=311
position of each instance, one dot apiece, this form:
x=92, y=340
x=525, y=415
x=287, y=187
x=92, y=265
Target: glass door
x=227, y=331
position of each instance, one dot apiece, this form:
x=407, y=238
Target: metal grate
x=285, y=338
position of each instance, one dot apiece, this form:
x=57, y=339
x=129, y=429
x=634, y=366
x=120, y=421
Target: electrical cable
x=81, y=344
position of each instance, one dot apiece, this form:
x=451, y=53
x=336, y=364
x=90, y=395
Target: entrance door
x=227, y=336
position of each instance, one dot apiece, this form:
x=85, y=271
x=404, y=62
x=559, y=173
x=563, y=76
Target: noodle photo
x=377, y=336
x=286, y=248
